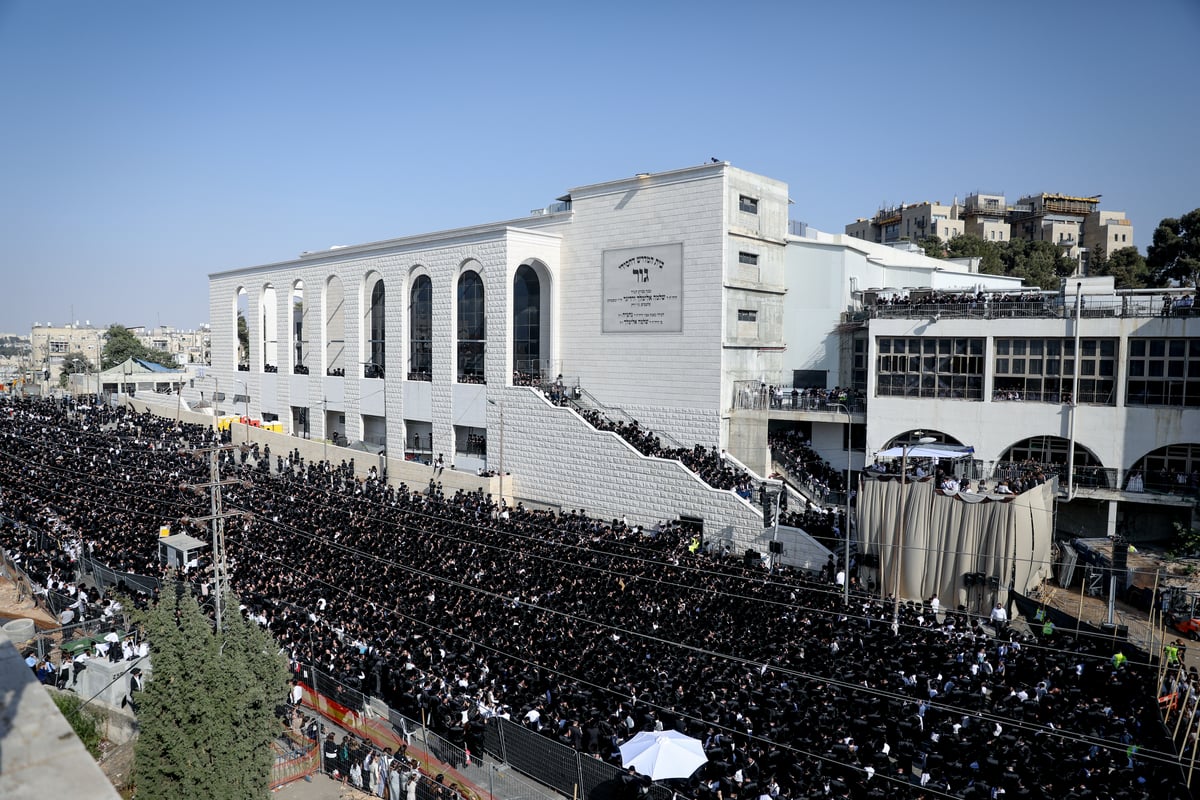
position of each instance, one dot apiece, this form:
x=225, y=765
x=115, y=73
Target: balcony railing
x=753, y=395
x=1054, y=306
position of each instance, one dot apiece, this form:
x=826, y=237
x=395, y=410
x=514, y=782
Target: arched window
x=1049, y=455
x=420, y=330
x=335, y=328
x=472, y=339
x=270, y=356
x=299, y=337
x=527, y=318
x=241, y=310
x=375, y=361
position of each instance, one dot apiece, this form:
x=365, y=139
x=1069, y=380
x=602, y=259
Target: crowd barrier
x=298, y=759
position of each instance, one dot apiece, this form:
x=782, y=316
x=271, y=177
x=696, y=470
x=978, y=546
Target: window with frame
x=1163, y=372
x=747, y=204
x=1043, y=370
x=472, y=336
x=58, y=347
x=941, y=367
x=750, y=259
x=420, y=330
x=858, y=378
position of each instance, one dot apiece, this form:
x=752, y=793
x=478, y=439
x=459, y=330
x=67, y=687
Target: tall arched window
x=270, y=356
x=472, y=338
x=374, y=366
x=299, y=335
x=335, y=328
x=420, y=330
x=527, y=317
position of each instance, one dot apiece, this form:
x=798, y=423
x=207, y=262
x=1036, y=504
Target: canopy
x=663, y=754
x=928, y=451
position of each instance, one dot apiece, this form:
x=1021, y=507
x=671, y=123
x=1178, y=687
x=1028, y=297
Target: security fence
x=296, y=757
x=556, y=764
x=106, y=577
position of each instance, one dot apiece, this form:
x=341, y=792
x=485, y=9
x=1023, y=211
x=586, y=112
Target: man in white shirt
x=999, y=618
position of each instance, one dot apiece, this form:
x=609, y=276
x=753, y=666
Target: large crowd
x=794, y=452
x=455, y=609
x=708, y=463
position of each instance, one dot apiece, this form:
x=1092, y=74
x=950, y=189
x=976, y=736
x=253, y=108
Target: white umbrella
x=663, y=754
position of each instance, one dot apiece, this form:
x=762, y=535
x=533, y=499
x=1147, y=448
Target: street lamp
x=846, y=532
x=921, y=439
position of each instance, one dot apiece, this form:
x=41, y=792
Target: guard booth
x=180, y=551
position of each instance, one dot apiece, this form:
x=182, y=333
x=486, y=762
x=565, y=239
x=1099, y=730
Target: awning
x=929, y=451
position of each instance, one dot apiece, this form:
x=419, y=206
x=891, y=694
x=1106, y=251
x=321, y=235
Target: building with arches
x=684, y=299
x=652, y=294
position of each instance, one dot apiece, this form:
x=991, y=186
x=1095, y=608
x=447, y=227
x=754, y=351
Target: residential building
x=51, y=343
x=186, y=346
x=1075, y=224
x=909, y=222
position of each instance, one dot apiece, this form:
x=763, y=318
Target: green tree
x=207, y=717
x=74, y=363
x=933, y=246
x=83, y=721
x=121, y=344
x=969, y=246
x=1126, y=265
x=1175, y=251
x=243, y=336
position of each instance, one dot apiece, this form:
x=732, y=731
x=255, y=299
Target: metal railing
x=1086, y=477
x=755, y=395
x=556, y=764
x=473, y=774
x=1049, y=306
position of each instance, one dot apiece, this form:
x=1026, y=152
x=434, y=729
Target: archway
x=373, y=355
x=299, y=335
x=1049, y=456
x=1171, y=469
x=420, y=329
x=270, y=342
x=471, y=328
x=335, y=327
x=241, y=327
x=531, y=324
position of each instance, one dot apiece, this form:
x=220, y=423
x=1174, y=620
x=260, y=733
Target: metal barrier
x=296, y=757
x=558, y=765
x=106, y=577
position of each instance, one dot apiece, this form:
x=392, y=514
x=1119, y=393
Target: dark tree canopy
x=121, y=344
x=74, y=363
x=1175, y=251
x=207, y=716
x=1126, y=265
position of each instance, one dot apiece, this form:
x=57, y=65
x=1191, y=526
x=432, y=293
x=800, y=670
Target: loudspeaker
x=752, y=558
x=776, y=547
x=869, y=560
x=1120, y=555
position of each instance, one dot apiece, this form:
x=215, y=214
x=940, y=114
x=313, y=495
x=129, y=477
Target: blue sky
x=146, y=144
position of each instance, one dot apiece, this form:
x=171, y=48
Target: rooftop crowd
x=455, y=609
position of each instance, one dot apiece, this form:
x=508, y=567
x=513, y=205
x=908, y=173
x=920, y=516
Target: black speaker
x=993, y=582
x=776, y=547
x=1120, y=555
x=752, y=558
x=869, y=560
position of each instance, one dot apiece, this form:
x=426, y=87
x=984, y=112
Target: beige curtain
x=948, y=537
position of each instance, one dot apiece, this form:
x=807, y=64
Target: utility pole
x=216, y=523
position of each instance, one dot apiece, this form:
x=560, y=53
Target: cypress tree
x=207, y=715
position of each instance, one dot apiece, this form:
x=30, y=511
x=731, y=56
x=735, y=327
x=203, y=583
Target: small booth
x=180, y=550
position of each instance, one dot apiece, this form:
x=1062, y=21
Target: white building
x=654, y=294
x=664, y=297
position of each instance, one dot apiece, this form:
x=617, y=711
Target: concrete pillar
x=1112, y=518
